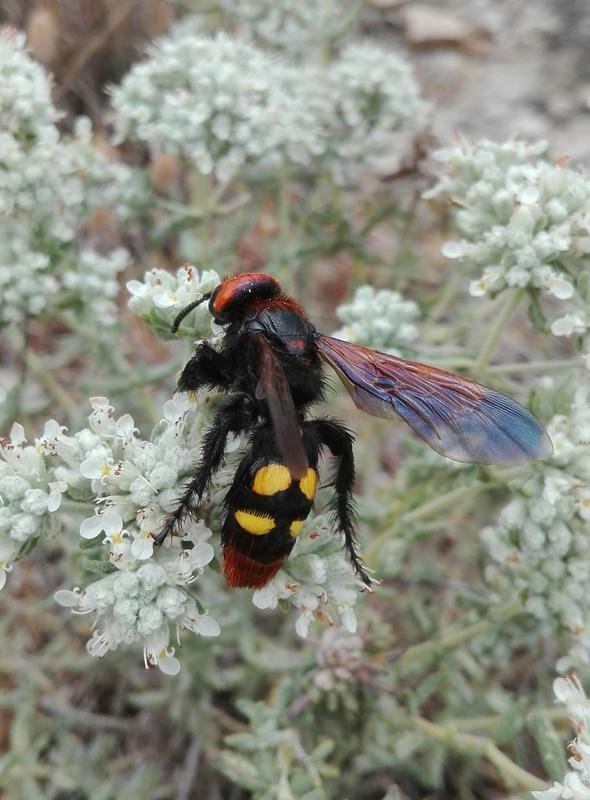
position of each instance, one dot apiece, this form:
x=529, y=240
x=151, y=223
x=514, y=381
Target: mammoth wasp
x=270, y=367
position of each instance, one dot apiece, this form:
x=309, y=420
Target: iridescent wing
x=457, y=417
x=274, y=388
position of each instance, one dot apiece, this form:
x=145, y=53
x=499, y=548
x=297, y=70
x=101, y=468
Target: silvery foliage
x=49, y=186
x=526, y=223
x=378, y=318
x=576, y=783
x=539, y=549
x=224, y=105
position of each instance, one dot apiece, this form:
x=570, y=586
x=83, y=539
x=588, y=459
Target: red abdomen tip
x=241, y=571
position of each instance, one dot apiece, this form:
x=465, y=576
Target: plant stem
x=423, y=512
x=457, y=634
x=536, y=366
x=284, y=223
x=346, y=23
x=438, y=504
x=145, y=377
x=496, y=330
x=543, y=365
x=488, y=721
x=511, y=773
x=202, y=199
x=57, y=392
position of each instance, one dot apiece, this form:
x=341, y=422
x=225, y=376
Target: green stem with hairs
x=283, y=213
x=338, y=30
x=495, y=331
x=555, y=365
x=487, y=722
x=419, y=654
x=511, y=774
x=427, y=510
x=60, y=396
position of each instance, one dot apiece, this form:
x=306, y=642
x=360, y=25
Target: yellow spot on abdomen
x=295, y=527
x=271, y=479
x=256, y=524
x=309, y=483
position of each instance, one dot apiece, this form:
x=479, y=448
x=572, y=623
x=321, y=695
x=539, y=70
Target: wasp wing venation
x=274, y=388
x=457, y=417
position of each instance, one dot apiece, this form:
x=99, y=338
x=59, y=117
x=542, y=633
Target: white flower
x=107, y=521
x=143, y=544
x=157, y=653
x=161, y=296
x=571, y=323
x=576, y=783
x=99, y=468
x=7, y=553
x=316, y=578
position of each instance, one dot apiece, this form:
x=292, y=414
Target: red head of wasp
x=270, y=366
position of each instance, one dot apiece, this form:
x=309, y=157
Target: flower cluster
x=317, y=579
x=160, y=297
x=133, y=483
x=540, y=548
x=26, y=109
x=576, y=321
x=224, y=105
x=136, y=480
x=217, y=102
x=576, y=783
x=144, y=601
x=49, y=187
x=371, y=110
x=378, y=318
x=525, y=222
x=29, y=491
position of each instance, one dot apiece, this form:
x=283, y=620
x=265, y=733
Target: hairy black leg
x=234, y=417
x=339, y=441
x=205, y=368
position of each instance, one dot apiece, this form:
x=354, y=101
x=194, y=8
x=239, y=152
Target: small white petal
x=142, y=547
x=302, y=624
x=207, y=626
x=169, y=665
x=66, y=598
x=453, y=249
x=17, y=434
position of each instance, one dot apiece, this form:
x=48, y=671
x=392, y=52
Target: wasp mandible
x=270, y=367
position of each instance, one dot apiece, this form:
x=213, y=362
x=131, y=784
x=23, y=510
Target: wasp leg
x=205, y=368
x=339, y=441
x=233, y=417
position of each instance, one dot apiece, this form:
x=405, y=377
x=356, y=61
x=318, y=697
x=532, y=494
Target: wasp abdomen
x=266, y=511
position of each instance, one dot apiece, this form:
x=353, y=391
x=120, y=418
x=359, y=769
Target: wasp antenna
x=187, y=310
